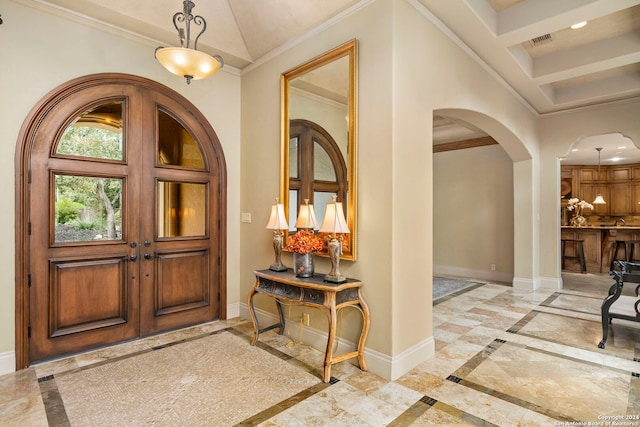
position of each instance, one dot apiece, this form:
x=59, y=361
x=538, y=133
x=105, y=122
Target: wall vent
x=546, y=38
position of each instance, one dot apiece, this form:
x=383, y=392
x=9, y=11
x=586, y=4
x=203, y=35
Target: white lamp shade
x=307, y=217
x=599, y=200
x=277, y=220
x=183, y=62
x=334, y=221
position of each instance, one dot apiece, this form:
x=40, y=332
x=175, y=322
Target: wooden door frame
x=25, y=142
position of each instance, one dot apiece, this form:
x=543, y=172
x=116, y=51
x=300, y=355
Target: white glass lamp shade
x=189, y=63
x=307, y=216
x=334, y=221
x=599, y=200
x=277, y=220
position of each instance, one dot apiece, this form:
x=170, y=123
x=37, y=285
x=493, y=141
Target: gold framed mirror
x=318, y=150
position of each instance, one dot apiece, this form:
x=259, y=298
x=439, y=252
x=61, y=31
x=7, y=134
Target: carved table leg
x=254, y=319
x=333, y=319
x=364, y=333
x=281, y=314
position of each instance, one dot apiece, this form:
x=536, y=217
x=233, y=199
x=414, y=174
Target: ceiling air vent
x=546, y=38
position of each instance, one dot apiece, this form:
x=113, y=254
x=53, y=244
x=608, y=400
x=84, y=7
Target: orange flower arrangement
x=304, y=242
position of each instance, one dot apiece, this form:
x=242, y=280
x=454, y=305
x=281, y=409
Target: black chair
x=616, y=305
x=579, y=247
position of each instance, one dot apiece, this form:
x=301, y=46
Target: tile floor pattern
x=504, y=357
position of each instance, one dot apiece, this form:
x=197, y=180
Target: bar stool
x=578, y=245
x=628, y=246
x=620, y=244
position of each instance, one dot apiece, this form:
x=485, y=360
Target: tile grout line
x=53, y=404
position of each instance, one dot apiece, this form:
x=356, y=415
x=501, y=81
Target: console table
x=314, y=292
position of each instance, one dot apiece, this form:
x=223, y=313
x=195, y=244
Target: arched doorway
x=121, y=226
x=516, y=164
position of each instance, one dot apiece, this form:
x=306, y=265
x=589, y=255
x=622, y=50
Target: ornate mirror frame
x=312, y=79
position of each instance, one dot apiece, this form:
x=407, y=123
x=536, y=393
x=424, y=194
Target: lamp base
x=334, y=279
x=277, y=267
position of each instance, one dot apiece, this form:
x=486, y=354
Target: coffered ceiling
x=530, y=44
x=527, y=43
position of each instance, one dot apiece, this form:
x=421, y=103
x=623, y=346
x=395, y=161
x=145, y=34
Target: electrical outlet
x=305, y=319
x=493, y=267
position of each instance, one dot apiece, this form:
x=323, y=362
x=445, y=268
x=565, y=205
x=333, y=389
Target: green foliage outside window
x=85, y=203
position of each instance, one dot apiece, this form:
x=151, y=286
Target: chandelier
x=185, y=61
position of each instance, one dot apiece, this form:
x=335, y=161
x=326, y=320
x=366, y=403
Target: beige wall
x=40, y=51
x=473, y=213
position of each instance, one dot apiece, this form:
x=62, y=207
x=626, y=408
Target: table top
x=315, y=282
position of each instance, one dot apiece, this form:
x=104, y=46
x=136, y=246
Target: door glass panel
x=293, y=157
x=87, y=208
x=322, y=166
x=182, y=209
x=176, y=146
x=96, y=133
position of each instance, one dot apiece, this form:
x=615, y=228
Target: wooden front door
x=125, y=216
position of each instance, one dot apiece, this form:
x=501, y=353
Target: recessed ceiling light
x=622, y=148
x=574, y=149
x=578, y=25
x=615, y=159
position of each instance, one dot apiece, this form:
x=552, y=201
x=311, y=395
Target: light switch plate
x=245, y=217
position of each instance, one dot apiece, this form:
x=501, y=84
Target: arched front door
x=121, y=222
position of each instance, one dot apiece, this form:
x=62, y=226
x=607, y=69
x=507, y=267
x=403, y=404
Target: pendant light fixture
x=186, y=61
x=599, y=200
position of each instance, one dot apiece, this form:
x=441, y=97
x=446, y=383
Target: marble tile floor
x=504, y=357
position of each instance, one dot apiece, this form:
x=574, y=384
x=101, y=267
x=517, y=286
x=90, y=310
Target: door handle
x=148, y=256
x=133, y=257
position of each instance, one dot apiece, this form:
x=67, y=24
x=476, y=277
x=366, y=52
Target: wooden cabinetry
x=619, y=186
x=619, y=173
x=635, y=198
x=619, y=198
x=588, y=174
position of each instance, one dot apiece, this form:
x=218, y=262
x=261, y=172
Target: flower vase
x=303, y=264
x=578, y=221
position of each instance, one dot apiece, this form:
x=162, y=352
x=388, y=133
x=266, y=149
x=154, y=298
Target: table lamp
x=334, y=223
x=277, y=223
x=306, y=217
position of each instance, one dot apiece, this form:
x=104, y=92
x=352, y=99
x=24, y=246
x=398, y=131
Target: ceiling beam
x=461, y=145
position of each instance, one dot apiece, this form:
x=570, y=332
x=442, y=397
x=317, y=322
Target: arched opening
x=477, y=187
x=607, y=165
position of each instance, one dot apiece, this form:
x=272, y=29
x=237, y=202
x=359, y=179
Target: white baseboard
x=524, y=284
x=410, y=358
x=380, y=364
x=233, y=310
x=550, y=283
x=7, y=362
x=495, y=276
